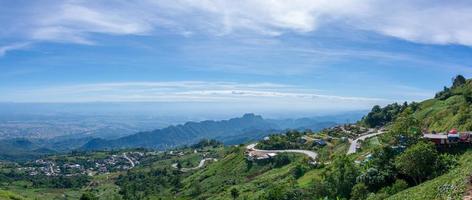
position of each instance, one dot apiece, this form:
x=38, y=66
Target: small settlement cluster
x=449, y=138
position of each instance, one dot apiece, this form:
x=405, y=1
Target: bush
x=444, y=163
x=299, y=171
x=281, y=193
x=281, y=160
x=359, y=192
x=378, y=196
x=398, y=186
x=88, y=196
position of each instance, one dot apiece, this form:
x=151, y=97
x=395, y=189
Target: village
x=90, y=167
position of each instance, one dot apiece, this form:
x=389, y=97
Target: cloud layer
x=430, y=22
x=12, y=47
x=262, y=95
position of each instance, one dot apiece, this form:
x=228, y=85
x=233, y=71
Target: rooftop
x=435, y=136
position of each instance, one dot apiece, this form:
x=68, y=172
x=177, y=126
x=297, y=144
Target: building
x=452, y=137
x=320, y=142
x=257, y=155
x=436, y=138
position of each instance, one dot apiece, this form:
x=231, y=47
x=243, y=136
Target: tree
x=380, y=169
x=458, y=81
x=234, y=193
x=406, y=130
x=341, y=177
x=381, y=116
x=373, y=178
x=417, y=161
x=444, y=94
x=359, y=192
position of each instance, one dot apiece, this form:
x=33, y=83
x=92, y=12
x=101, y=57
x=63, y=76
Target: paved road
x=313, y=155
x=354, y=143
x=200, y=165
x=130, y=161
x=51, y=168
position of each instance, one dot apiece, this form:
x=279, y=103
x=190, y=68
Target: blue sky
x=248, y=56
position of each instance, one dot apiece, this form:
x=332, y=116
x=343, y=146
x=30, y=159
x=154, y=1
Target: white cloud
x=267, y=95
x=11, y=47
x=431, y=22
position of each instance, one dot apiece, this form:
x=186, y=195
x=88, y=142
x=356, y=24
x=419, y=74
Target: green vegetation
x=398, y=164
x=338, y=179
x=381, y=116
x=152, y=183
x=451, y=108
x=7, y=195
x=417, y=161
x=448, y=186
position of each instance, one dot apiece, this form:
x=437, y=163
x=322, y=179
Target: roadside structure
x=451, y=137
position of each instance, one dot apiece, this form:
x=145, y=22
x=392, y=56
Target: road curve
x=129, y=160
x=354, y=143
x=200, y=165
x=313, y=155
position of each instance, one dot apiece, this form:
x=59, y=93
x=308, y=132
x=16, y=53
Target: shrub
x=359, y=192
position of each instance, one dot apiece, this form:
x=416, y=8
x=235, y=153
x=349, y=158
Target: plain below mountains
x=233, y=131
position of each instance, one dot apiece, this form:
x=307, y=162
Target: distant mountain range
x=232, y=131
x=21, y=149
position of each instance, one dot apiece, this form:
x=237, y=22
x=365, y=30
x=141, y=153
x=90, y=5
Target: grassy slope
x=448, y=186
x=217, y=179
x=7, y=195
x=443, y=115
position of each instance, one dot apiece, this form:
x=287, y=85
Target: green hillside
x=234, y=172
x=448, y=186
x=451, y=108
x=396, y=164
x=7, y=195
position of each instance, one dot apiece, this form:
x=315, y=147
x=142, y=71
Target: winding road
x=354, y=143
x=129, y=160
x=313, y=155
x=200, y=165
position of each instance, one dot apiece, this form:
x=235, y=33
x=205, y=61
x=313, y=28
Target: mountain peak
x=251, y=115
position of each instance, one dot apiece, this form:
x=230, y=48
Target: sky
x=233, y=56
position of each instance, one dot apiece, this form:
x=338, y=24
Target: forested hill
x=232, y=131
x=450, y=108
